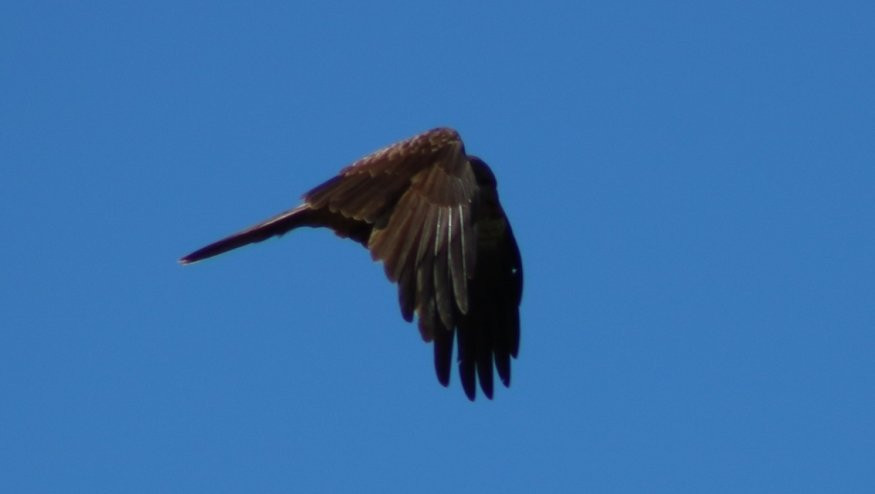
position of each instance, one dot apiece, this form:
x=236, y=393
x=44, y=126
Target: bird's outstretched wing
x=415, y=206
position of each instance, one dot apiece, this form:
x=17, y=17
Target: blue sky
x=691, y=185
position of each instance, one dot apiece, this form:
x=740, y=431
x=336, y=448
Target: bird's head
x=482, y=173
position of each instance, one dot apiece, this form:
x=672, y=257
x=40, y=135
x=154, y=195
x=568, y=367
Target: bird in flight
x=431, y=214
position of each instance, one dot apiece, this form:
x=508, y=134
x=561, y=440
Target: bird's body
x=431, y=214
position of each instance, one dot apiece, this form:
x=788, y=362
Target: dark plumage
x=431, y=214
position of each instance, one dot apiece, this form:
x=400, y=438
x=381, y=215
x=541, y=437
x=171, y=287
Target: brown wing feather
x=371, y=185
x=423, y=236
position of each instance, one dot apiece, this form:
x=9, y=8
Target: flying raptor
x=430, y=213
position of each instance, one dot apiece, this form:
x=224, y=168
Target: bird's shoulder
x=409, y=155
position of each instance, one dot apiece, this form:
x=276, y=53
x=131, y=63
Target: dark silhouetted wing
x=430, y=213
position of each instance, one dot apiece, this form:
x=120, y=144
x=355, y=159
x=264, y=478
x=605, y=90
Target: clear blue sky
x=692, y=185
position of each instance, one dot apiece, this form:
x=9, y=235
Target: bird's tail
x=278, y=225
